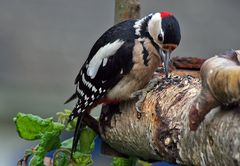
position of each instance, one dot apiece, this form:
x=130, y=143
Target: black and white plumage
x=122, y=61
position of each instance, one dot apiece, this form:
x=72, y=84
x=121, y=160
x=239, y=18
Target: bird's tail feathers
x=74, y=96
x=77, y=133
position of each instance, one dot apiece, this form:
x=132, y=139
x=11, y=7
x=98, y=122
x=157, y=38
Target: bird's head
x=164, y=29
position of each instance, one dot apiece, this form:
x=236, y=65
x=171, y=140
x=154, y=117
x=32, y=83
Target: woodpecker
x=122, y=61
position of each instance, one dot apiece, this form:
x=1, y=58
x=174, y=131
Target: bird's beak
x=165, y=54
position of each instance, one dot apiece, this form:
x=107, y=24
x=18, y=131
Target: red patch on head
x=165, y=14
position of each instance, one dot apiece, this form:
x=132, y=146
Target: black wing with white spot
x=109, y=60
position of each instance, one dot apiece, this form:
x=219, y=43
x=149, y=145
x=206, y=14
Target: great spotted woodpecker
x=123, y=61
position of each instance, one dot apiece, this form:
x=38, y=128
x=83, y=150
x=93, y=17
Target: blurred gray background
x=43, y=44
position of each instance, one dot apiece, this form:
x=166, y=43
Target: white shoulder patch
x=137, y=26
x=139, y=23
x=102, y=54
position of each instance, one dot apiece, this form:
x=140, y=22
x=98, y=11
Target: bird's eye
x=160, y=37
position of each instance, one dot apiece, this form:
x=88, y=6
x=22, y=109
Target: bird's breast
x=145, y=60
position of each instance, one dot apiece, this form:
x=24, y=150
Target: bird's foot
x=138, y=105
x=141, y=95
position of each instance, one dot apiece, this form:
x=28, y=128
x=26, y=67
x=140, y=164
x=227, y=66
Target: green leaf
x=83, y=156
x=71, y=125
x=48, y=142
x=63, y=116
x=87, y=140
x=82, y=159
x=67, y=144
x=31, y=127
x=120, y=161
x=144, y=163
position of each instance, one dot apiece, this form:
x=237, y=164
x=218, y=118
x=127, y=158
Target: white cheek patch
x=155, y=27
x=102, y=55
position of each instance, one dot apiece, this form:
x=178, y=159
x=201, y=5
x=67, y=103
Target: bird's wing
x=109, y=60
x=110, y=55
x=99, y=75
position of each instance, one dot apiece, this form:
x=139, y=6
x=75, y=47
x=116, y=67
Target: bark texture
x=126, y=9
x=163, y=133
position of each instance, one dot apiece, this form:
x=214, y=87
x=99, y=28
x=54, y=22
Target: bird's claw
x=141, y=94
x=139, y=115
x=137, y=107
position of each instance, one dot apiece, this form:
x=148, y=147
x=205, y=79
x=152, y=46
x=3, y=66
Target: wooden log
x=163, y=133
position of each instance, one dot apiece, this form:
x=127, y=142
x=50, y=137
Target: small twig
x=23, y=160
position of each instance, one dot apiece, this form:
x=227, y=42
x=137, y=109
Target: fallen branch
x=163, y=133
